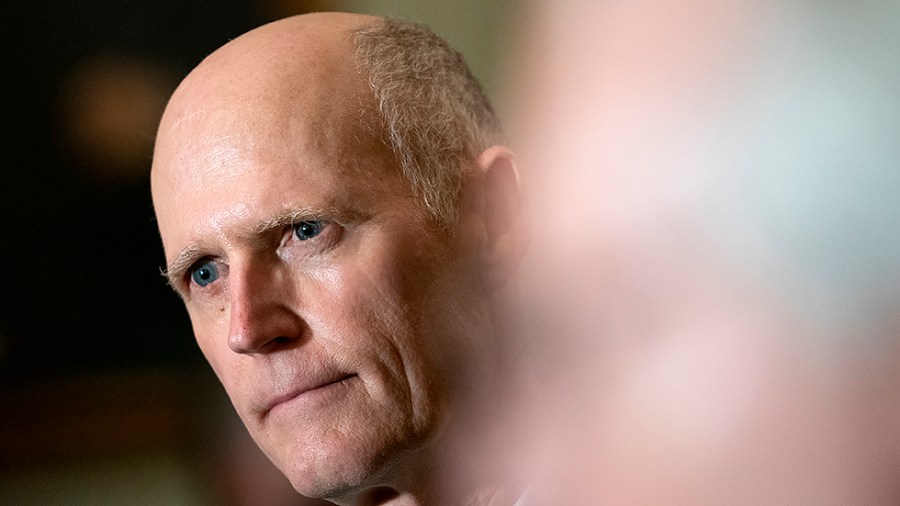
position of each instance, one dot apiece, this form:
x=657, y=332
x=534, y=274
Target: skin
x=345, y=354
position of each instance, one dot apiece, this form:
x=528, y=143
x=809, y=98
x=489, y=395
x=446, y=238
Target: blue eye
x=204, y=273
x=307, y=229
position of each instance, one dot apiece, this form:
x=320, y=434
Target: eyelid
x=179, y=279
x=329, y=236
x=180, y=266
x=290, y=229
x=322, y=223
x=187, y=277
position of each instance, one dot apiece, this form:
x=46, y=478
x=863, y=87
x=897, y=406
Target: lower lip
x=314, y=397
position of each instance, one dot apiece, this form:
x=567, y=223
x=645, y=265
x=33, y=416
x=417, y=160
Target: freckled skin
x=280, y=119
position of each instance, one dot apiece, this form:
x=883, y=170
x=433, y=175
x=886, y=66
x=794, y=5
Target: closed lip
x=315, y=385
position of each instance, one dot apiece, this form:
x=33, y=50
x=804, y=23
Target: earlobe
x=501, y=210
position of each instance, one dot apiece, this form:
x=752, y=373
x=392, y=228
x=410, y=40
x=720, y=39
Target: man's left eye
x=308, y=229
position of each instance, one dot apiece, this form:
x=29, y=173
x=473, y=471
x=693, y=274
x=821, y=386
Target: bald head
x=292, y=60
x=306, y=42
x=283, y=76
x=396, y=81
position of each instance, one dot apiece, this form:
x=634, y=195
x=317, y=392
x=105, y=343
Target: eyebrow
x=178, y=265
x=291, y=216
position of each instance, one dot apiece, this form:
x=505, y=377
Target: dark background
x=105, y=396
x=81, y=255
x=100, y=378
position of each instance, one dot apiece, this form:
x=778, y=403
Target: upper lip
x=304, y=387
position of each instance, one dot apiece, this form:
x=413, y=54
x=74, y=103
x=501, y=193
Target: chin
x=338, y=465
x=339, y=468
x=339, y=453
x=325, y=478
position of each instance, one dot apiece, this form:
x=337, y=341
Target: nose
x=262, y=317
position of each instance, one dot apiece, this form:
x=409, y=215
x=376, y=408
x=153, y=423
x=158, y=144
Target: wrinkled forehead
x=290, y=89
x=303, y=91
x=255, y=114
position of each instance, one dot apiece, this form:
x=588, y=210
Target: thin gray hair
x=436, y=118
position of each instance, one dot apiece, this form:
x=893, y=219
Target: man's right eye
x=204, y=272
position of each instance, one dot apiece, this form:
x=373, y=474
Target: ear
x=501, y=209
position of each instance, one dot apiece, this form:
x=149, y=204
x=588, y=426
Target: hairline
x=480, y=127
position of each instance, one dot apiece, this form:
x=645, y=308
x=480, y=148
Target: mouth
x=319, y=391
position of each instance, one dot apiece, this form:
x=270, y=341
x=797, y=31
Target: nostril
x=264, y=326
x=277, y=343
x=281, y=341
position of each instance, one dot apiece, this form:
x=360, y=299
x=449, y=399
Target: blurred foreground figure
x=340, y=221
x=717, y=268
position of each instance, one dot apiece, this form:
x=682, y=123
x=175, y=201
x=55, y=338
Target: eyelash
x=316, y=226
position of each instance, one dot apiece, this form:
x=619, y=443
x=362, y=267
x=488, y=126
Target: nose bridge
x=259, y=307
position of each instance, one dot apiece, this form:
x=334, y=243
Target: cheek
x=372, y=315
x=208, y=332
x=211, y=334
x=365, y=320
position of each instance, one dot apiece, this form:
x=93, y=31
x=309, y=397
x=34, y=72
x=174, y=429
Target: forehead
x=243, y=148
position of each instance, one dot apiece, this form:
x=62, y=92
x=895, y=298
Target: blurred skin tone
x=348, y=332
x=682, y=155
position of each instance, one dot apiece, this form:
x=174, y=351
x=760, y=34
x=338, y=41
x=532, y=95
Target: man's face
x=330, y=312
